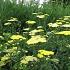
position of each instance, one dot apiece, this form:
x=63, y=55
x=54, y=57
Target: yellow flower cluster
x=16, y=37
x=33, y=32
x=42, y=53
x=7, y=24
x=12, y=50
x=39, y=27
x=10, y=41
x=66, y=25
x=62, y=22
x=63, y=33
x=30, y=22
x=26, y=59
x=53, y=25
x=12, y=19
x=41, y=16
x=26, y=29
x=36, y=39
x=1, y=37
x=5, y=57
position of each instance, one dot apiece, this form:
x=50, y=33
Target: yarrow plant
x=42, y=53
x=17, y=37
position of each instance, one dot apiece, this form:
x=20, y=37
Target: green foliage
x=33, y=37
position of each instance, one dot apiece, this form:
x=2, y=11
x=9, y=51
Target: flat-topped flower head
x=40, y=27
x=1, y=37
x=30, y=22
x=12, y=50
x=41, y=16
x=42, y=53
x=34, y=13
x=53, y=25
x=36, y=39
x=59, y=23
x=33, y=32
x=58, y=20
x=5, y=57
x=46, y=14
x=10, y=41
x=7, y=24
x=66, y=16
x=17, y=37
x=26, y=29
x=66, y=25
x=63, y=33
x=12, y=19
x=27, y=59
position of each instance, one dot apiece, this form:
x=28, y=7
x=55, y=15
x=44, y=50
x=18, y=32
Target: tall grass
x=24, y=12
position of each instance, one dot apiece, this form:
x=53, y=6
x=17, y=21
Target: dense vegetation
x=34, y=37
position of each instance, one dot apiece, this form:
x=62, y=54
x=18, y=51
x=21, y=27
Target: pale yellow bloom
x=10, y=41
x=39, y=27
x=12, y=50
x=66, y=16
x=63, y=33
x=7, y=23
x=33, y=32
x=5, y=57
x=1, y=37
x=36, y=39
x=34, y=13
x=30, y=22
x=46, y=53
x=12, y=19
x=66, y=25
x=26, y=29
x=41, y=16
x=16, y=37
x=26, y=59
x=40, y=55
x=53, y=25
x=59, y=23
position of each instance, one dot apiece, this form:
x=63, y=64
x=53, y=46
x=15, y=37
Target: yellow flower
x=36, y=39
x=66, y=25
x=34, y=13
x=46, y=14
x=53, y=25
x=49, y=53
x=1, y=37
x=41, y=16
x=10, y=41
x=46, y=53
x=40, y=55
x=12, y=19
x=5, y=57
x=63, y=33
x=12, y=50
x=66, y=16
x=26, y=29
x=26, y=59
x=33, y=32
x=16, y=37
x=59, y=23
x=58, y=20
x=30, y=22
x=39, y=27
x=7, y=23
